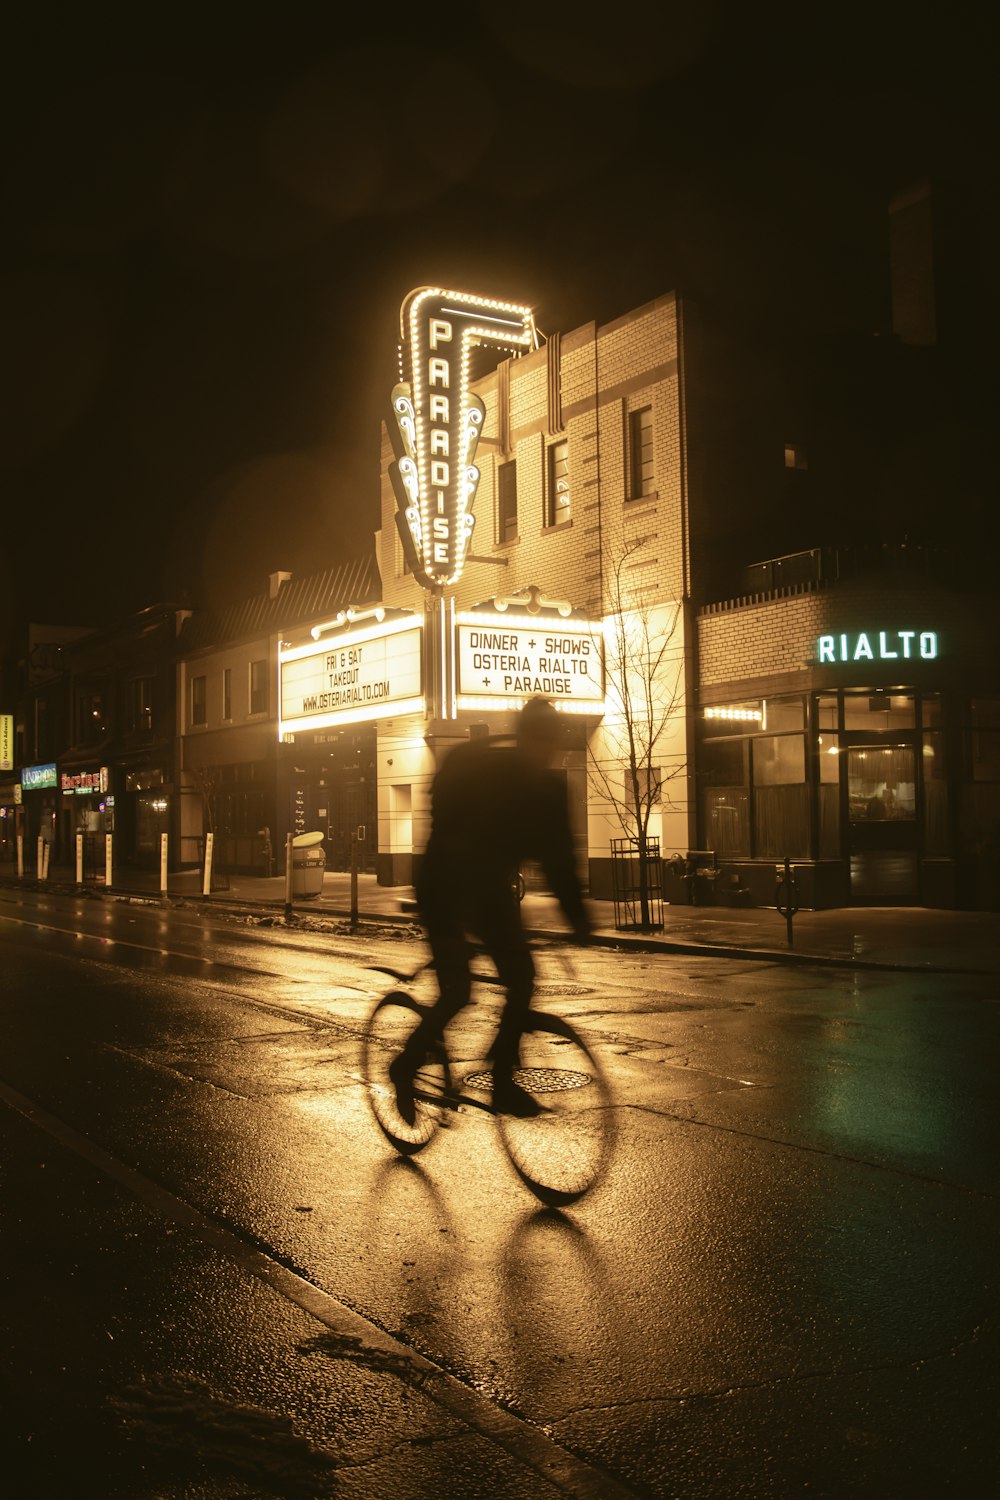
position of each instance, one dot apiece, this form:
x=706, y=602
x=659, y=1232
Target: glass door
x=882, y=823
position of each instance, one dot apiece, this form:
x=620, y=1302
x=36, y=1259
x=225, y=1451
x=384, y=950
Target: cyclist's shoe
x=509, y=1098
x=401, y=1078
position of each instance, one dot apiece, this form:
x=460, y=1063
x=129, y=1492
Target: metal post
x=40, y=859
x=79, y=859
x=206, y=885
x=46, y=856
x=784, y=895
x=20, y=856
x=288, y=877
x=163, y=864
x=354, y=878
x=107, y=861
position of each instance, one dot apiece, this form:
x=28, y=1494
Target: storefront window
x=877, y=712
x=780, y=796
x=981, y=808
x=936, y=837
x=781, y=714
x=881, y=784
x=826, y=712
x=828, y=775
x=150, y=821
x=724, y=798
x=733, y=718
x=985, y=739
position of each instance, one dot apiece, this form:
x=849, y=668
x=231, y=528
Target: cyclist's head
x=539, y=732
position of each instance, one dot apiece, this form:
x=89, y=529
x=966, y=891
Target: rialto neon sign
x=438, y=421
x=879, y=645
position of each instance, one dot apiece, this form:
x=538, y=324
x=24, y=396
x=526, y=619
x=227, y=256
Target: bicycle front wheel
x=561, y=1152
x=392, y=1022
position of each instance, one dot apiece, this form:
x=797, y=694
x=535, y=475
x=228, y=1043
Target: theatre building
x=579, y=506
x=573, y=518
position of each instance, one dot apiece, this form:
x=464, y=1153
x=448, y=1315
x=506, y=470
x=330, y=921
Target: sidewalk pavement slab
x=904, y=939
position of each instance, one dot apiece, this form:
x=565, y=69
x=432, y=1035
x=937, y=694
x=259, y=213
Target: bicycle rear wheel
x=390, y=1025
x=561, y=1152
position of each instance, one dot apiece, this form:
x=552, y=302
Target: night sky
x=212, y=217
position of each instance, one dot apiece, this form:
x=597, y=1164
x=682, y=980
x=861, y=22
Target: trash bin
x=308, y=865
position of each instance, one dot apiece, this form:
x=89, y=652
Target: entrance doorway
x=882, y=824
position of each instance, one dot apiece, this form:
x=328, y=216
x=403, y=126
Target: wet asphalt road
x=217, y=1283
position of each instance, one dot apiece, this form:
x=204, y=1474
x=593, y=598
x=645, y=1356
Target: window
x=828, y=789
x=258, y=687
x=650, y=786
x=881, y=784
x=981, y=813
x=199, y=701
x=139, y=704
x=640, y=447
x=507, y=502
x=724, y=798
x=780, y=796
x=795, y=456
x=557, y=501
x=984, y=739
x=92, y=724
x=227, y=692
x=878, y=711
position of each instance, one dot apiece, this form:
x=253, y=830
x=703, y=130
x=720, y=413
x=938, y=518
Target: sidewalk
x=901, y=938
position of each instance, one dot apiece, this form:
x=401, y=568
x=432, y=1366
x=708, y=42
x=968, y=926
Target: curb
x=613, y=941
x=622, y=941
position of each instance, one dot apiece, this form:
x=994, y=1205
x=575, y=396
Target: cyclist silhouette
x=492, y=806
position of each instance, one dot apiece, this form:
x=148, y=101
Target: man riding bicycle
x=492, y=806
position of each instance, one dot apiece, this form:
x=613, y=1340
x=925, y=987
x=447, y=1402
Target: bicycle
x=559, y=1154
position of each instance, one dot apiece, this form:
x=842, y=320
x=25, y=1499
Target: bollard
x=107, y=861
x=784, y=895
x=40, y=859
x=288, y=877
x=206, y=884
x=354, y=880
x=79, y=859
x=163, y=866
x=46, y=856
x=20, y=856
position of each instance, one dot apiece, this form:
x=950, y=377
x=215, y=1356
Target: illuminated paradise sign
x=879, y=645
x=369, y=672
x=438, y=421
x=503, y=661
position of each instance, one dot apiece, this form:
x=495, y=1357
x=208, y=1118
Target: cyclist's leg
x=503, y=938
x=450, y=951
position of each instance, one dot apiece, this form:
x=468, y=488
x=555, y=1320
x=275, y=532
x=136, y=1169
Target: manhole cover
x=535, y=1080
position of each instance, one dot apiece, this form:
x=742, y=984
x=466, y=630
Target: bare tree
x=644, y=692
x=206, y=783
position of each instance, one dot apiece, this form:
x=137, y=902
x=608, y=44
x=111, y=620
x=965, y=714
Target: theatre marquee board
x=355, y=675
x=505, y=660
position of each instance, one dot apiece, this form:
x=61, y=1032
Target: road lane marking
x=526, y=1443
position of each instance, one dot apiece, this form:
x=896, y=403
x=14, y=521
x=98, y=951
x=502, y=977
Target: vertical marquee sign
x=438, y=421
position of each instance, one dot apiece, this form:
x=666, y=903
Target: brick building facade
x=609, y=492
